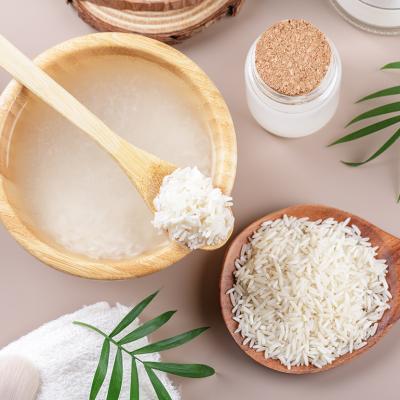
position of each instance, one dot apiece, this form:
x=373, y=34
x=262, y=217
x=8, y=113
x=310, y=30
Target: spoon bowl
x=145, y=170
x=389, y=249
x=214, y=112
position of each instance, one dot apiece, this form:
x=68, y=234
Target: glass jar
x=375, y=16
x=293, y=116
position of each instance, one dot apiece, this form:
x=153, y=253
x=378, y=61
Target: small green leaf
x=133, y=314
x=91, y=327
x=159, y=388
x=134, y=392
x=393, y=65
x=114, y=389
x=147, y=328
x=101, y=370
x=385, y=146
x=367, y=130
x=387, y=108
x=385, y=92
x=171, y=342
x=186, y=370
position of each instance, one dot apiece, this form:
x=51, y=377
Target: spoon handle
x=139, y=165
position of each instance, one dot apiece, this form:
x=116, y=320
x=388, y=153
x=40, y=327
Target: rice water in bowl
x=68, y=193
x=72, y=189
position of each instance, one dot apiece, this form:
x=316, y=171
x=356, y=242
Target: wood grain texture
x=217, y=116
x=168, y=26
x=389, y=248
x=146, y=5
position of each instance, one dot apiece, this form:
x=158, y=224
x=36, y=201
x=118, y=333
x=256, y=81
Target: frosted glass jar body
x=293, y=116
x=375, y=16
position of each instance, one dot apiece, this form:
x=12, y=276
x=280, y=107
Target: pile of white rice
x=191, y=210
x=307, y=292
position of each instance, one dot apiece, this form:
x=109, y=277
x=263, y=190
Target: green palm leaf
x=134, y=392
x=393, y=65
x=93, y=328
x=170, y=343
x=385, y=92
x=385, y=146
x=101, y=370
x=147, y=328
x=387, y=108
x=114, y=389
x=367, y=130
x=133, y=314
x=159, y=388
x=185, y=370
x=117, y=374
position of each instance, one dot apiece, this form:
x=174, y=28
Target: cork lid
x=292, y=57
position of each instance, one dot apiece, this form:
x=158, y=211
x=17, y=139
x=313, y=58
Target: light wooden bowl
x=389, y=249
x=222, y=137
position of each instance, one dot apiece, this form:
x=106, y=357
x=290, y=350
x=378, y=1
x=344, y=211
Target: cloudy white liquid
x=70, y=189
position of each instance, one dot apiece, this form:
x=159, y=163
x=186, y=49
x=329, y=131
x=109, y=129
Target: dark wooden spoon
x=389, y=249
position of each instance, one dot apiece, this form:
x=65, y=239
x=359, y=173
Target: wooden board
x=170, y=26
x=147, y=5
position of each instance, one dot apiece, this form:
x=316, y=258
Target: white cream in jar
x=293, y=74
x=375, y=16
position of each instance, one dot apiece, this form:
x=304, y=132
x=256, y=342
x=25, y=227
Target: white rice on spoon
x=191, y=210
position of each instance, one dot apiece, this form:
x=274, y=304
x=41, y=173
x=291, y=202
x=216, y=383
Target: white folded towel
x=67, y=355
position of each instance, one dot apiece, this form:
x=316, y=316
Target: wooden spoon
x=389, y=249
x=144, y=169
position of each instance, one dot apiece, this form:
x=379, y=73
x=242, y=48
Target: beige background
x=272, y=173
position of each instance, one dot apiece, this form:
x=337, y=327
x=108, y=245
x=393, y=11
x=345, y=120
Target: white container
x=293, y=116
x=375, y=16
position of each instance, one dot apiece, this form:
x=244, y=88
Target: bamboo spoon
x=144, y=169
x=389, y=249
